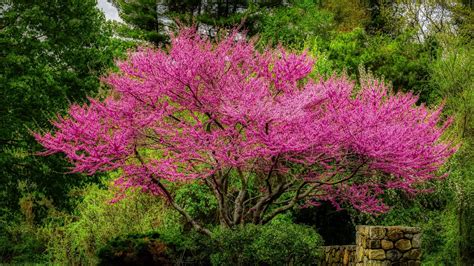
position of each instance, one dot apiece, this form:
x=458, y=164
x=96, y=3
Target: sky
x=109, y=10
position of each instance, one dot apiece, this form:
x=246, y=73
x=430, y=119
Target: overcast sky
x=109, y=10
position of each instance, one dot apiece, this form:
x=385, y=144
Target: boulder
x=403, y=244
x=377, y=232
x=412, y=254
x=373, y=244
x=394, y=234
x=393, y=255
x=386, y=244
x=376, y=254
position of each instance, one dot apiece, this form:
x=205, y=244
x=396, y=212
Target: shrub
x=277, y=243
x=76, y=239
x=187, y=246
x=198, y=201
x=135, y=249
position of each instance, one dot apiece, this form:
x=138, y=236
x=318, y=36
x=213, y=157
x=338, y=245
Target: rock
x=363, y=229
x=378, y=263
x=377, y=232
x=386, y=244
x=376, y=254
x=393, y=255
x=373, y=244
x=413, y=263
x=412, y=230
x=416, y=241
x=409, y=236
x=359, y=254
x=413, y=254
x=346, y=258
x=336, y=256
x=394, y=234
x=403, y=244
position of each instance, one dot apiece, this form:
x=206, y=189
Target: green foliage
x=134, y=249
x=446, y=216
x=186, y=246
x=277, y=243
x=52, y=52
x=296, y=25
x=399, y=60
x=75, y=239
x=453, y=82
x=348, y=14
x=198, y=201
x=129, y=37
x=21, y=240
x=143, y=15
x=152, y=20
x=382, y=17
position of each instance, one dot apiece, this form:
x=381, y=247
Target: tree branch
x=239, y=201
x=267, y=180
x=170, y=199
x=221, y=202
x=178, y=208
x=299, y=196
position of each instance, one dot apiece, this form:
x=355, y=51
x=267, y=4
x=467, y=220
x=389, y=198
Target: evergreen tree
x=51, y=53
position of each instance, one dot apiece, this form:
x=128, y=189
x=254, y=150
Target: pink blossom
x=199, y=109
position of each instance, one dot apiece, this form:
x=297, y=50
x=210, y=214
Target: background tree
x=294, y=26
x=143, y=14
x=52, y=52
x=253, y=129
x=156, y=18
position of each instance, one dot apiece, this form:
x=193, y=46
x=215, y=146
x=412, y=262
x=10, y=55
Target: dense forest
x=56, y=207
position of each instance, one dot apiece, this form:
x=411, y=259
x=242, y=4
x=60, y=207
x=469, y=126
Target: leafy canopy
x=52, y=52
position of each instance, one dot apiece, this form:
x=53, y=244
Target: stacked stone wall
x=338, y=255
x=378, y=245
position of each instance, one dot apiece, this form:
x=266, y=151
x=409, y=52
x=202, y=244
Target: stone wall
x=338, y=255
x=378, y=245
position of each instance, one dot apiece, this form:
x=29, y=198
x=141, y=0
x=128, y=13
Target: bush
x=278, y=243
x=198, y=201
x=166, y=246
x=76, y=239
x=21, y=239
x=134, y=249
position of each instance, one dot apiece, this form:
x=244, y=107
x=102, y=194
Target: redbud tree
x=254, y=128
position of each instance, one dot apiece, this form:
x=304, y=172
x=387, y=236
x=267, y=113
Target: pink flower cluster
x=200, y=107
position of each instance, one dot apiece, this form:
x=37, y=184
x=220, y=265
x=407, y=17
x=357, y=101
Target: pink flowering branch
x=237, y=119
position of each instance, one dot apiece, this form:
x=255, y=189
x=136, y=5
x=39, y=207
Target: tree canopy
x=52, y=53
x=254, y=128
